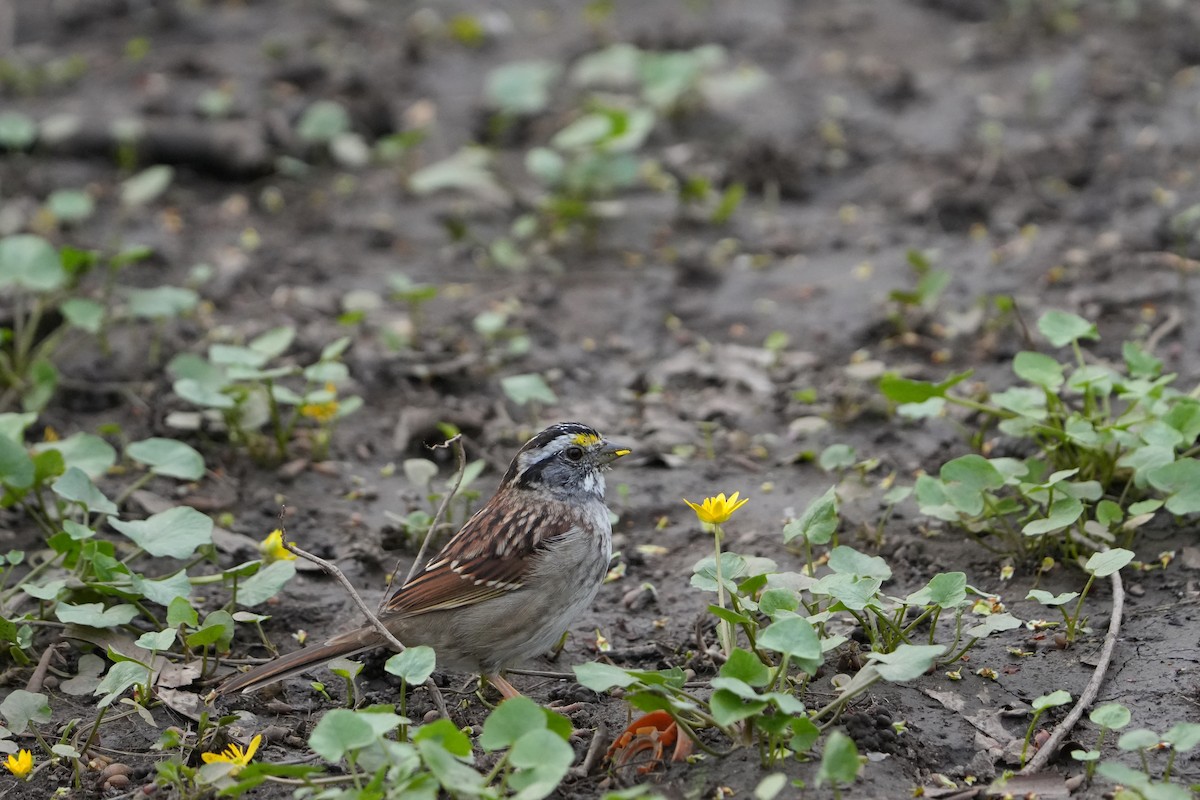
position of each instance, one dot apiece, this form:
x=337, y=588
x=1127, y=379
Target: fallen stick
x=376, y=623
x=1047, y=750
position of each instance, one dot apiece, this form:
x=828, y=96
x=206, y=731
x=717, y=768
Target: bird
x=510, y=582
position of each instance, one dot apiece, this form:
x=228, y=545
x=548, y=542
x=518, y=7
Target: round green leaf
x=414, y=664
x=146, y=186
x=1111, y=715
x=168, y=457
x=839, y=762
x=509, y=721
x=1061, y=328
x=30, y=262
x=1106, y=563
x=1056, y=698
x=175, y=533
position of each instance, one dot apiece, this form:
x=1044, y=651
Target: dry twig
x=1047, y=750
x=376, y=623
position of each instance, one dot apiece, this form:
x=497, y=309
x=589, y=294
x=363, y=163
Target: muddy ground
x=1038, y=150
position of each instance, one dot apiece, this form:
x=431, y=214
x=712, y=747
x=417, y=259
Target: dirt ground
x=1040, y=150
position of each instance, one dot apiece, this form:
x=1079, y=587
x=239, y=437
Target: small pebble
x=1136, y=589
x=118, y=782
x=431, y=715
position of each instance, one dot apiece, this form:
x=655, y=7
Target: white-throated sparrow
x=508, y=584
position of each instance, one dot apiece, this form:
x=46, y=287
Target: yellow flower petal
x=716, y=510
x=21, y=764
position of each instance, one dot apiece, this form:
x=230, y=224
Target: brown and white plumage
x=508, y=584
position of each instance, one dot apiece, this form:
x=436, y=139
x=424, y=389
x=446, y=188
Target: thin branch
x=1047, y=750
x=455, y=440
x=39, y=673
x=376, y=623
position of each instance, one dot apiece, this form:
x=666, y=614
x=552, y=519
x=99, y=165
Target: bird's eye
x=573, y=453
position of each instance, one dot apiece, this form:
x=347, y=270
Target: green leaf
x=839, y=762
x=181, y=612
x=165, y=590
x=542, y=760
x=769, y=787
x=1048, y=599
x=804, y=734
x=746, y=667
x=17, y=131
x=468, y=170
x=848, y=561
x=602, y=677
x=16, y=467
x=1061, y=328
x=266, y=583
x=87, y=315
x=274, y=342
x=522, y=87
x=509, y=721
x=157, y=640
x=965, y=480
x=1183, y=736
x=446, y=734
x=339, y=732
x=95, y=615
x=169, y=458
x=175, y=533
x=70, y=205
x=794, y=637
x=903, y=390
x=945, y=590
x=414, y=665
x=1038, y=369
x=727, y=707
x=819, y=521
x=907, y=661
x=47, y=591
x=30, y=262
x=234, y=355
x=161, y=302
x=1113, y=716
x=528, y=388
x=146, y=186
x=1180, y=481
x=994, y=623
x=21, y=708
x=1138, y=739
x=1063, y=512
x=1106, y=563
x=76, y=487
x=1140, y=363
x=322, y=121
x=855, y=592
x=1056, y=698
x=836, y=457
x=86, y=451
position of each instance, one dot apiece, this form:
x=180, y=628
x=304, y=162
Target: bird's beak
x=611, y=452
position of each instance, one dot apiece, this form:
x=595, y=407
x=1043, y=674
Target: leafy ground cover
x=913, y=279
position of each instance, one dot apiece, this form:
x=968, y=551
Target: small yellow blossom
x=234, y=755
x=272, y=548
x=21, y=764
x=325, y=411
x=715, y=510
x=1006, y=572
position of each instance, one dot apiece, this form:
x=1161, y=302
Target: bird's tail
x=294, y=663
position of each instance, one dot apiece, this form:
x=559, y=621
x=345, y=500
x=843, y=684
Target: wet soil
x=1044, y=154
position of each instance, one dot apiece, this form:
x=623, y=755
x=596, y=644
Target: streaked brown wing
x=488, y=557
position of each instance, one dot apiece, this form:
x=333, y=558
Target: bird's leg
x=502, y=686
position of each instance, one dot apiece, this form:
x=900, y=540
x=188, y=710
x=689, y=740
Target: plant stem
x=724, y=628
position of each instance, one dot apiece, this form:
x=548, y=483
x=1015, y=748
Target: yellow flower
x=272, y=548
x=234, y=755
x=21, y=764
x=324, y=411
x=715, y=510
